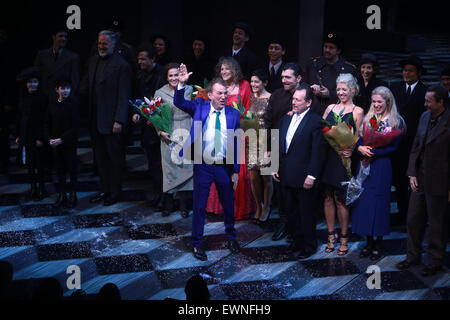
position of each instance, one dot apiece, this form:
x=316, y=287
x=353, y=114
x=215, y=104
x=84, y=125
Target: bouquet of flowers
x=155, y=111
x=200, y=93
x=377, y=134
x=248, y=119
x=341, y=136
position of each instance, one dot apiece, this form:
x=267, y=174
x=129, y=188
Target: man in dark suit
x=246, y=58
x=108, y=85
x=274, y=68
x=58, y=62
x=149, y=78
x=428, y=171
x=302, y=157
x=410, y=98
x=216, y=121
x=280, y=103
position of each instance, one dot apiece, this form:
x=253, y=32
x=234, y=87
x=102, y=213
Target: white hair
x=110, y=34
x=350, y=81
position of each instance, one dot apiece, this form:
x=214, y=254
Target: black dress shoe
x=305, y=254
x=62, y=199
x=290, y=239
x=72, y=201
x=429, y=271
x=199, y=254
x=365, y=252
x=99, y=197
x=165, y=213
x=407, y=264
x=185, y=214
x=234, y=247
x=34, y=193
x=294, y=247
x=280, y=233
x=42, y=192
x=111, y=200
x=376, y=255
x=156, y=204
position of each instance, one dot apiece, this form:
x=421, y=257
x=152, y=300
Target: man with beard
x=108, y=85
x=322, y=72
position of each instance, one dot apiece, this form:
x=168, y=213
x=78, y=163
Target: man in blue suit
x=218, y=124
x=302, y=157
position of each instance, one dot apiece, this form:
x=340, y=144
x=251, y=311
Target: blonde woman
x=335, y=172
x=371, y=211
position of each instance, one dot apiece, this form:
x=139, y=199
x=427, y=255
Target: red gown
x=244, y=202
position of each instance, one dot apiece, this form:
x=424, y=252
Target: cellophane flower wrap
x=340, y=137
x=155, y=111
x=377, y=134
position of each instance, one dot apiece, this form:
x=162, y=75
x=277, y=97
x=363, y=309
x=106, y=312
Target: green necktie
x=217, y=137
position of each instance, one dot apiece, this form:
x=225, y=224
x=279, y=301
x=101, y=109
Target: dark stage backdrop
x=29, y=23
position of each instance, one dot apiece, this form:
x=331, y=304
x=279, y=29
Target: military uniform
x=320, y=73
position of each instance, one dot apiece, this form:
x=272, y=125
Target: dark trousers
x=109, y=150
x=184, y=197
x=300, y=207
x=34, y=162
x=153, y=153
x=66, y=163
x=278, y=190
x=204, y=176
x=422, y=208
x=5, y=151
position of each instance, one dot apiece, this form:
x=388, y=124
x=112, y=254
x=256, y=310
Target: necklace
x=230, y=91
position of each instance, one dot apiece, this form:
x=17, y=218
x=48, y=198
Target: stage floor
x=149, y=257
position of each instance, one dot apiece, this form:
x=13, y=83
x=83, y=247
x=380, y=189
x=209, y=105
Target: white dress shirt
x=295, y=122
x=235, y=52
x=276, y=67
x=209, y=134
x=412, y=86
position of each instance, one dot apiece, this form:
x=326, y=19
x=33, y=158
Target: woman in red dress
x=229, y=70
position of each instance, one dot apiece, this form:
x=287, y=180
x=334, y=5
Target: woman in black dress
x=335, y=172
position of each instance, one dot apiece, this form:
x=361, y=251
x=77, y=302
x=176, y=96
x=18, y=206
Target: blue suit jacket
x=199, y=110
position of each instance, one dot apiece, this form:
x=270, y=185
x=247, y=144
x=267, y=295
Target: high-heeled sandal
x=344, y=243
x=266, y=216
x=331, y=241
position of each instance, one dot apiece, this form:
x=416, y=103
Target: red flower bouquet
x=378, y=134
x=155, y=111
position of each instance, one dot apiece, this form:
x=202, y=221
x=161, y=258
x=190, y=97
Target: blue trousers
x=204, y=176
